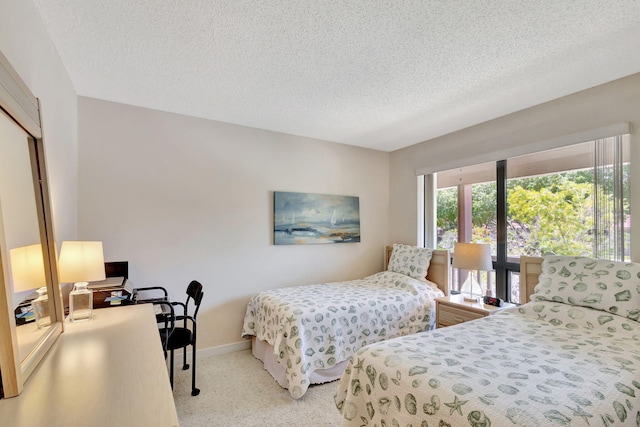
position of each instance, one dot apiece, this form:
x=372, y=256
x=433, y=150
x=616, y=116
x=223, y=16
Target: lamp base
x=468, y=287
x=80, y=303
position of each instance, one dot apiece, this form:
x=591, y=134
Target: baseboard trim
x=224, y=349
x=216, y=351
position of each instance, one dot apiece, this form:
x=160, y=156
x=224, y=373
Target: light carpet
x=236, y=391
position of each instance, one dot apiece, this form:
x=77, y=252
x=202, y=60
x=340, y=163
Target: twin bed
x=306, y=334
x=569, y=357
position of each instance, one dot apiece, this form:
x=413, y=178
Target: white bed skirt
x=264, y=351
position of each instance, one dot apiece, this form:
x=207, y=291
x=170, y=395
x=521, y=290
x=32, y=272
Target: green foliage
x=483, y=205
x=483, y=209
x=549, y=213
x=555, y=219
x=447, y=209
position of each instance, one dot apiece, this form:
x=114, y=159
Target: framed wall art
x=307, y=218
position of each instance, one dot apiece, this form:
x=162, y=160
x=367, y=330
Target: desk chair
x=174, y=337
x=165, y=316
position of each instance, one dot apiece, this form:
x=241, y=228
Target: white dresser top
x=108, y=371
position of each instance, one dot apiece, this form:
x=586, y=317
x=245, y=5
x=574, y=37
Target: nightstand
x=453, y=309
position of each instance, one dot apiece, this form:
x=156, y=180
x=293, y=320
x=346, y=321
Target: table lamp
x=81, y=262
x=472, y=256
x=27, y=272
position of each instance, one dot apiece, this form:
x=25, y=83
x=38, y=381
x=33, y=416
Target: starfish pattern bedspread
x=314, y=327
x=542, y=364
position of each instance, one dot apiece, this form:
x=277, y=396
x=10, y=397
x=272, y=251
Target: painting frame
x=312, y=218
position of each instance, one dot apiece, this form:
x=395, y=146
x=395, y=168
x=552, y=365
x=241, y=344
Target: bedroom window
x=572, y=200
x=466, y=212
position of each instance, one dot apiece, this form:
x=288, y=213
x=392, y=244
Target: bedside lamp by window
x=472, y=256
x=81, y=262
x=27, y=272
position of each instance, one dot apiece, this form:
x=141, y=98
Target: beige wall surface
x=604, y=105
x=27, y=46
x=183, y=198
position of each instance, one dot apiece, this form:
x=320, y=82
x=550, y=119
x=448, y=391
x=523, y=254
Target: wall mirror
x=27, y=245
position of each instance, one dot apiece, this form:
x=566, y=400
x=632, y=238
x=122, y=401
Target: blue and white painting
x=305, y=218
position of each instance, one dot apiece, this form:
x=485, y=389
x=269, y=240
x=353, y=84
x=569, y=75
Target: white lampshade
x=81, y=262
x=27, y=268
x=472, y=256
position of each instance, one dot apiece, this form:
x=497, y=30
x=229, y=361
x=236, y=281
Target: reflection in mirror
x=26, y=219
x=18, y=211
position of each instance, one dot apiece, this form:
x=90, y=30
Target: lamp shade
x=81, y=262
x=27, y=268
x=472, y=256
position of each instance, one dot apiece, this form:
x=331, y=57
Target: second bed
x=306, y=334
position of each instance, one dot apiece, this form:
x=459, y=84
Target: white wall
x=27, y=46
x=614, y=102
x=183, y=198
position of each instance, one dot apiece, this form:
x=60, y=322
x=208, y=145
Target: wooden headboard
x=439, y=268
x=530, y=269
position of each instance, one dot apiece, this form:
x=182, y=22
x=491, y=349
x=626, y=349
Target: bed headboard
x=439, y=268
x=530, y=269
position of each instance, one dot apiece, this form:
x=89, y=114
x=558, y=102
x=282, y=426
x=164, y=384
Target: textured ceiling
x=378, y=74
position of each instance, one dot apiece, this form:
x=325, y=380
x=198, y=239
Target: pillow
x=410, y=260
x=611, y=286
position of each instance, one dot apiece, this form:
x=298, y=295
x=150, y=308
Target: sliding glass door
x=568, y=201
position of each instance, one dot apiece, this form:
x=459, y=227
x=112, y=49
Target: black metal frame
x=170, y=332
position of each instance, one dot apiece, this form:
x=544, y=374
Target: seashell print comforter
x=316, y=326
x=541, y=364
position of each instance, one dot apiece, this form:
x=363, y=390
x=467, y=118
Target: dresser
x=108, y=371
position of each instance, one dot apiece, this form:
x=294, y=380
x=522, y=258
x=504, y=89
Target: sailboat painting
x=307, y=218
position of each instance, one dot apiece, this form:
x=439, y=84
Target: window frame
x=504, y=266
